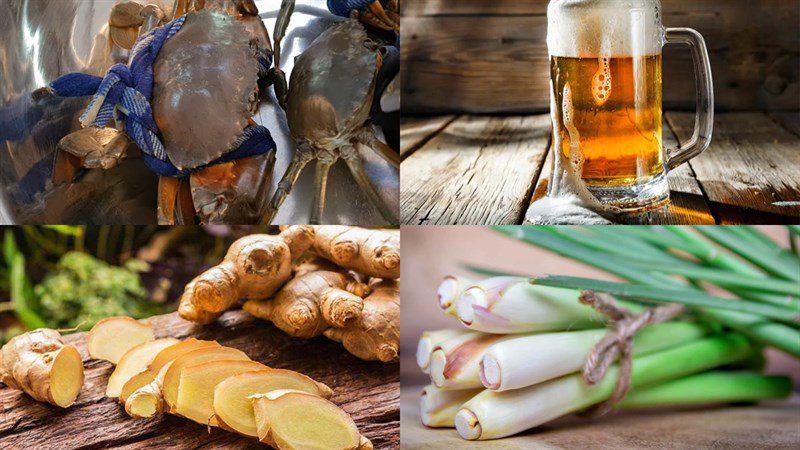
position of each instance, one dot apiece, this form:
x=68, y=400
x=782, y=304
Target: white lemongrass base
x=430, y=340
x=438, y=407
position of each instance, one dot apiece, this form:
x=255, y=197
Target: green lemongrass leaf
x=66, y=230
x=686, y=297
x=489, y=272
x=9, y=247
x=710, y=387
x=706, y=251
x=601, y=242
x=772, y=263
x=756, y=327
x=20, y=294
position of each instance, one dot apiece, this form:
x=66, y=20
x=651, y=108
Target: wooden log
x=479, y=170
x=476, y=56
x=369, y=391
x=750, y=171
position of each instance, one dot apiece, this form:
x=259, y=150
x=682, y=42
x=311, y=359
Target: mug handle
x=704, y=87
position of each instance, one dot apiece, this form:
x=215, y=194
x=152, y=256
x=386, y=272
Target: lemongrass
x=709, y=388
x=430, y=340
x=511, y=305
x=438, y=407
x=673, y=294
x=528, y=360
x=450, y=290
x=491, y=415
x=756, y=327
x=455, y=363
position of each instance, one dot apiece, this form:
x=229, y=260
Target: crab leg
x=277, y=76
x=180, y=8
x=302, y=156
x=378, y=17
x=368, y=138
x=356, y=166
x=324, y=163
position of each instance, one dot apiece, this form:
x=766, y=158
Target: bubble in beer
x=601, y=82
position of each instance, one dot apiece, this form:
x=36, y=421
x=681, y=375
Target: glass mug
x=605, y=76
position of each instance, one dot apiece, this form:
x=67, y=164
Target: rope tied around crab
x=125, y=93
x=618, y=343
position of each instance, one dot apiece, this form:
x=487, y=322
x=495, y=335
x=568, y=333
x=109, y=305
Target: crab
x=328, y=108
x=205, y=92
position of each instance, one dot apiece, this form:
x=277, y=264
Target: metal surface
x=41, y=40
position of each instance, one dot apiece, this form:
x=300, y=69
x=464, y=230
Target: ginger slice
x=289, y=419
x=163, y=358
x=133, y=362
x=233, y=407
x=112, y=337
x=197, y=384
x=39, y=364
x=171, y=381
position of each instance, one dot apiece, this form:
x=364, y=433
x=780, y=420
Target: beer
x=611, y=114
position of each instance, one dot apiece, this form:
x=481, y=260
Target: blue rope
x=125, y=94
x=344, y=7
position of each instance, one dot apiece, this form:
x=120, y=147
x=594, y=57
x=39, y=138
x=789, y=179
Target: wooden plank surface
x=416, y=132
x=479, y=170
x=465, y=174
x=773, y=425
x=369, y=391
x=477, y=56
x=751, y=168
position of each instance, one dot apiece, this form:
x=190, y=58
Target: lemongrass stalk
x=450, y=290
x=430, y=340
x=710, y=388
x=512, y=305
x=455, y=363
x=630, y=249
x=672, y=294
x=756, y=327
x=529, y=360
x=491, y=415
x=438, y=407
x=773, y=264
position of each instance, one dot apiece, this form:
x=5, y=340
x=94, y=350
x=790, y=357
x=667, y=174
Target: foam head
x=604, y=28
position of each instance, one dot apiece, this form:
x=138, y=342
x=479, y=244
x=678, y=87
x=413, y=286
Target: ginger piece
x=288, y=419
x=112, y=337
x=309, y=304
x=40, y=364
x=148, y=400
x=133, y=362
x=374, y=253
x=172, y=375
x=376, y=334
x=254, y=267
x=233, y=407
x=197, y=383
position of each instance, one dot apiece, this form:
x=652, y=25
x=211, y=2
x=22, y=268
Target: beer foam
x=604, y=28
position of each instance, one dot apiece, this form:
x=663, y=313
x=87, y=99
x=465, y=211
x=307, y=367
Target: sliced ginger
x=41, y=365
x=233, y=407
x=133, y=362
x=172, y=376
x=197, y=383
x=112, y=337
x=289, y=419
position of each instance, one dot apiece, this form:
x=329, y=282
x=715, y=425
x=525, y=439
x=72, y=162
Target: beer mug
x=605, y=76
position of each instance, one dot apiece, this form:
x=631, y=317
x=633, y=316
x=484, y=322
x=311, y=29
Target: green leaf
x=20, y=295
x=686, y=297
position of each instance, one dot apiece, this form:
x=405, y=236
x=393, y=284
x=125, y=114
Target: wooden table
x=475, y=169
x=773, y=425
x=369, y=391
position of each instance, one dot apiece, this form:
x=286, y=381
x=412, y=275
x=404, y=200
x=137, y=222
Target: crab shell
x=332, y=86
x=204, y=89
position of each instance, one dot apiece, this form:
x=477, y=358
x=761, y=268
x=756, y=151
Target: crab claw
x=379, y=17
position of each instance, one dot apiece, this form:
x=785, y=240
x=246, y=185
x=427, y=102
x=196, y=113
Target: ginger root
x=254, y=268
x=133, y=362
x=40, y=364
x=374, y=253
x=112, y=337
x=376, y=334
x=289, y=419
x=311, y=303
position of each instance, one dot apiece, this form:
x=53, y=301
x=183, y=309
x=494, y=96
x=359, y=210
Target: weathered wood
x=369, y=391
x=415, y=132
x=751, y=166
x=479, y=170
x=477, y=56
x=687, y=204
x=768, y=425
